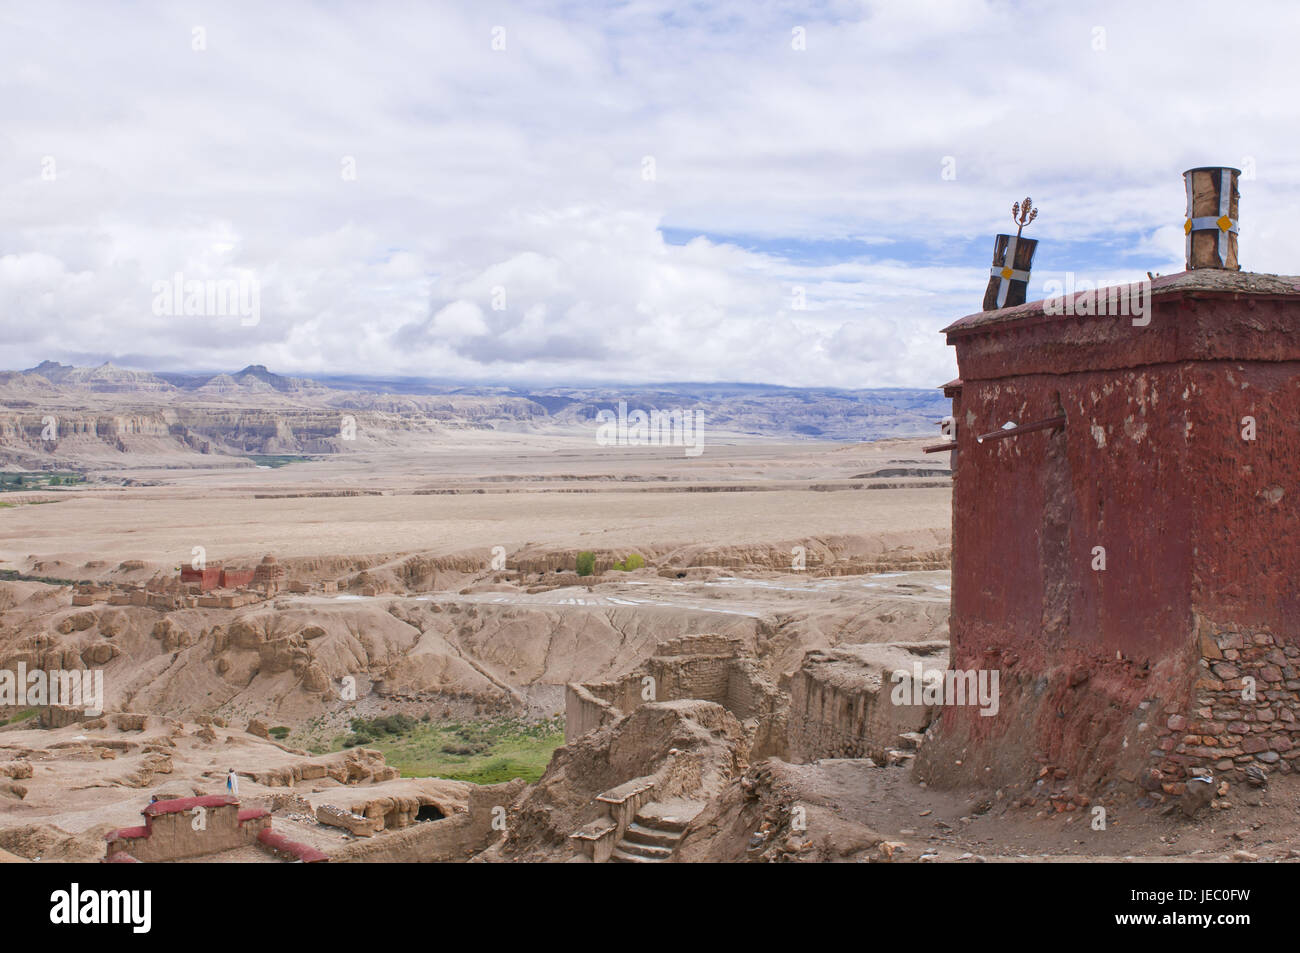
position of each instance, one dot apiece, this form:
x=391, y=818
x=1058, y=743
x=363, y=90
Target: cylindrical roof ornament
x=1211, y=225
x=1013, y=257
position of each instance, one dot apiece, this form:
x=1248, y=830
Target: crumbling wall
x=585, y=711
x=704, y=643
x=687, y=749
x=353, y=766
x=454, y=838
x=356, y=824
x=841, y=703
x=691, y=676
x=760, y=705
x=708, y=667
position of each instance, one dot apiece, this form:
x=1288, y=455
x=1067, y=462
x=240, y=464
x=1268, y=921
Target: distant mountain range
x=109, y=416
x=110, y=379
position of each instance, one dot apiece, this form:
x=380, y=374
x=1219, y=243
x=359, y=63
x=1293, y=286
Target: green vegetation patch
x=276, y=460
x=38, y=479
x=479, y=752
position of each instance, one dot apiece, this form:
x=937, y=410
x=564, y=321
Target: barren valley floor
x=425, y=608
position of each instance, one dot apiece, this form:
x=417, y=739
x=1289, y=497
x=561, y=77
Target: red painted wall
x=234, y=578
x=1150, y=465
x=206, y=578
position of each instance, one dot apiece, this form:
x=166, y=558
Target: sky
x=570, y=193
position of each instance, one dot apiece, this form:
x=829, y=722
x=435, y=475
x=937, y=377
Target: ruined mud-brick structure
x=206, y=578
x=842, y=701
x=1126, y=528
x=710, y=667
x=216, y=577
x=184, y=828
x=268, y=575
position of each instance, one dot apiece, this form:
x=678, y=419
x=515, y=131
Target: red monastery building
x=218, y=577
x=1126, y=527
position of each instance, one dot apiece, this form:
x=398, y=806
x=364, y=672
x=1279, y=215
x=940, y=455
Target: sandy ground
x=447, y=502
x=986, y=826
x=163, y=528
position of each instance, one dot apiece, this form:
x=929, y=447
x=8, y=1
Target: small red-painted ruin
x=1126, y=535
x=193, y=827
x=216, y=577
x=212, y=587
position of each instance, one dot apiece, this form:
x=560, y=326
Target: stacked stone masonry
x=1235, y=721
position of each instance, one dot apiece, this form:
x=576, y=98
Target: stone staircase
x=653, y=834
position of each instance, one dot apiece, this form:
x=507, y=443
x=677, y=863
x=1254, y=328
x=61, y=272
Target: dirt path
x=949, y=824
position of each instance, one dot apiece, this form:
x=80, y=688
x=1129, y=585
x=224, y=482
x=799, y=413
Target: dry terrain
x=429, y=571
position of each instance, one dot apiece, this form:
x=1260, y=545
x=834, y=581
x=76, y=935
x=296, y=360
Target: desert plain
x=411, y=663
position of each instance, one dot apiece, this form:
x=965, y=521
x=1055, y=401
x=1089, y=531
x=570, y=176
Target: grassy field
x=476, y=752
x=276, y=460
x=37, y=480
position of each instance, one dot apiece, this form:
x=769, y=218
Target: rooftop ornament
x=1023, y=215
x=1013, y=257
x=1211, y=223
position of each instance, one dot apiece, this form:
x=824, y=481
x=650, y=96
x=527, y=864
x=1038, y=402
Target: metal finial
x=1022, y=213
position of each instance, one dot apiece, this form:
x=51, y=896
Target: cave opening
x=429, y=812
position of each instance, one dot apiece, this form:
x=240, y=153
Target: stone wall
x=585, y=711
x=691, y=676
x=760, y=707
x=707, y=667
x=1245, y=710
x=841, y=703
x=453, y=838
x=356, y=824
x=706, y=643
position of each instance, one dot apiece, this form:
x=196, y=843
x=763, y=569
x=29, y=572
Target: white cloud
x=521, y=169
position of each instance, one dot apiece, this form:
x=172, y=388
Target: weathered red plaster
x=1200, y=528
